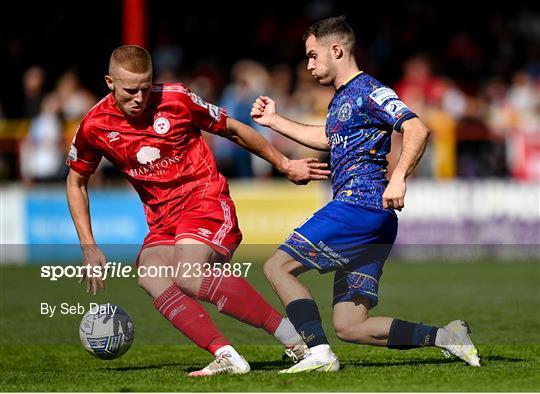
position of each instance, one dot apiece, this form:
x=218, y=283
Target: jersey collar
x=349, y=80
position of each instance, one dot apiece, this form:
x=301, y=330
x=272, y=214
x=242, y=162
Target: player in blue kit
x=354, y=233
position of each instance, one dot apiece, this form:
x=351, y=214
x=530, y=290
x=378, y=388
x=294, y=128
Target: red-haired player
x=152, y=134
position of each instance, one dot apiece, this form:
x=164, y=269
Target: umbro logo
x=221, y=303
x=113, y=136
x=204, y=232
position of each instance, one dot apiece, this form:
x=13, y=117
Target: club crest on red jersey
x=162, y=125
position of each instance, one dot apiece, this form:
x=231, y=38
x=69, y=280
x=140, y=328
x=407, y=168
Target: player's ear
x=109, y=81
x=336, y=50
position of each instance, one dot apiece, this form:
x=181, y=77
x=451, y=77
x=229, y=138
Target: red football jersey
x=161, y=153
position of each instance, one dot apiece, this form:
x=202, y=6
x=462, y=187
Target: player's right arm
x=264, y=113
x=83, y=160
x=77, y=196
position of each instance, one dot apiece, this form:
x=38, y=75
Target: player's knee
x=154, y=286
x=188, y=285
x=268, y=269
x=182, y=283
x=343, y=331
x=145, y=282
x=272, y=268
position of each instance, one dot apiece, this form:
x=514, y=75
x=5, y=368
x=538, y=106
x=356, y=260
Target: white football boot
x=223, y=364
x=460, y=343
x=319, y=358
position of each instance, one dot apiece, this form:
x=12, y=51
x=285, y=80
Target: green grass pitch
x=501, y=301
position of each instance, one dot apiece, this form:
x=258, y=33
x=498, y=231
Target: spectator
x=480, y=153
x=418, y=86
x=41, y=153
x=249, y=80
x=33, y=84
x=167, y=56
x=75, y=100
x=522, y=94
x=280, y=88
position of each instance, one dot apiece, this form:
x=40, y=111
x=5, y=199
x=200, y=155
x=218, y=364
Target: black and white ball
x=107, y=333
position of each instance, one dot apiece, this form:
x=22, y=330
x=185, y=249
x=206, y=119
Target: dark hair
x=132, y=58
x=333, y=26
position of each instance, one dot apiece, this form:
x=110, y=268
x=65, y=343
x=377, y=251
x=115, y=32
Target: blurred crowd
x=479, y=96
x=51, y=116
x=486, y=134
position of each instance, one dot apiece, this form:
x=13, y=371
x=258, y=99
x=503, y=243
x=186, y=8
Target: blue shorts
x=352, y=240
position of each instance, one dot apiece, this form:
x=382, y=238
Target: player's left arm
x=415, y=136
x=213, y=119
x=298, y=171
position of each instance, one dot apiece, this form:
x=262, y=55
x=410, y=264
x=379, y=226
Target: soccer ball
x=106, y=331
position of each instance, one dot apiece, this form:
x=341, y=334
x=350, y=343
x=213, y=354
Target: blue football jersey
x=361, y=117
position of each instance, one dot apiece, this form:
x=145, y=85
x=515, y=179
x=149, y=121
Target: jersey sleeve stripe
x=399, y=122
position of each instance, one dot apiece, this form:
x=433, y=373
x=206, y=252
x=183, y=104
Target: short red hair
x=132, y=58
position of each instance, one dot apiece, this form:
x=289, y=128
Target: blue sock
x=406, y=335
x=305, y=317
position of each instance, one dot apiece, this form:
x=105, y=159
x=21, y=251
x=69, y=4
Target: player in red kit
x=152, y=134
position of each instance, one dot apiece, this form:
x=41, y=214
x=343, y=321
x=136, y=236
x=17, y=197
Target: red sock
x=190, y=318
x=235, y=297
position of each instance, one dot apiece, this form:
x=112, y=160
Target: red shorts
x=212, y=222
